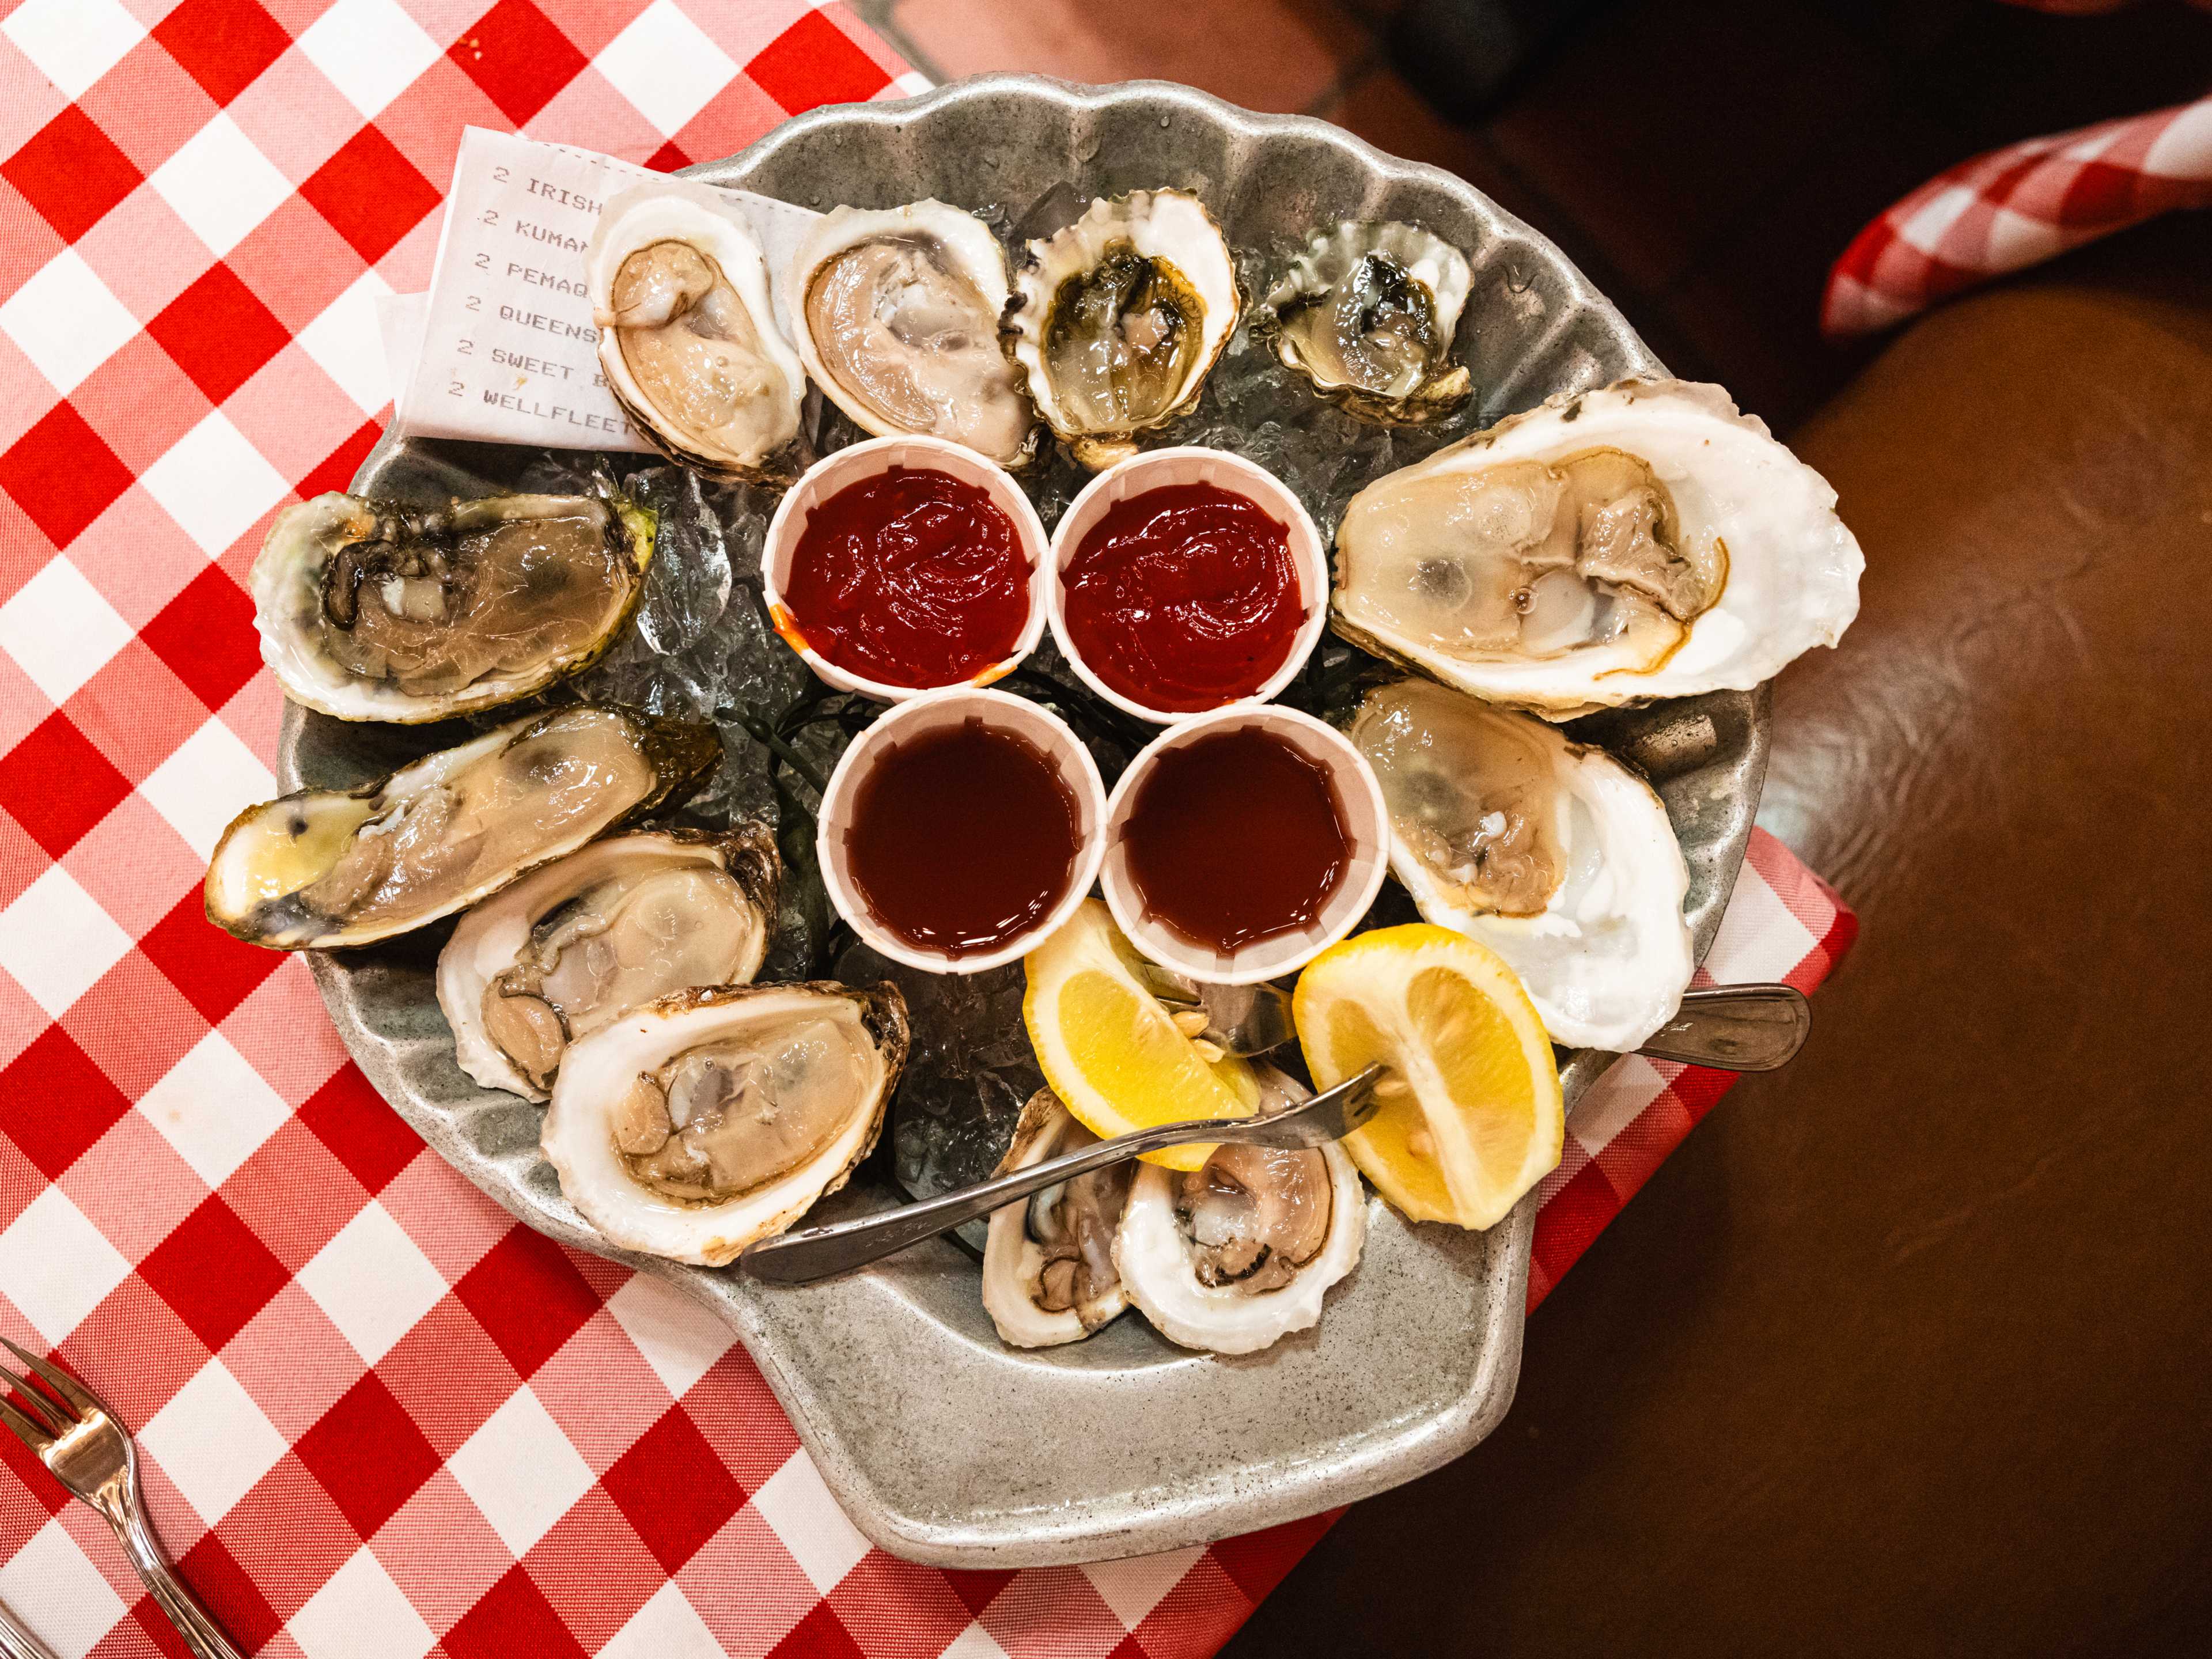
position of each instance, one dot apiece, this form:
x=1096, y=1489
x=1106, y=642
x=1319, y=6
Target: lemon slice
x=1471, y=1115
x=1111, y=1051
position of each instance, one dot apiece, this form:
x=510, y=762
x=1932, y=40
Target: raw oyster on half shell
x=897, y=313
x=1554, y=856
x=369, y=611
x=1121, y=317
x=1049, y=1271
x=326, y=867
x=1606, y=548
x=692, y=1126
x=688, y=334
x=1367, y=315
x=549, y=959
x=1239, y=1253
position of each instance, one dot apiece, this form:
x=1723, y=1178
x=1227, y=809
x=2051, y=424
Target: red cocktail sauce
x=1184, y=598
x=912, y=578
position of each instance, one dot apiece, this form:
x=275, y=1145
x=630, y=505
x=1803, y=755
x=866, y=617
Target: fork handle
x=17, y=1640
x=192, y=1621
x=818, y=1251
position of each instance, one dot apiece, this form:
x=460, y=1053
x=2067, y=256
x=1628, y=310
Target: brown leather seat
x=1909, y=1350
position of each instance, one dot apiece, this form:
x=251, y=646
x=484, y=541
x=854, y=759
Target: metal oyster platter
x=942, y=1445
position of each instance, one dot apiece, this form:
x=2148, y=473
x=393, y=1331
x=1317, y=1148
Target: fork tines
x=42, y=1415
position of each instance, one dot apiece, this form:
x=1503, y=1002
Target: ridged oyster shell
x=698, y=1123
x=370, y=610
x=1121, y=317
x=688, y=335
x=1069, y=1259
x=1606, y=548
x=1206, y=1279
x=1367, y=315
x=896, y=316
x=327, y=867
x=549, y=959
x=1554, y=856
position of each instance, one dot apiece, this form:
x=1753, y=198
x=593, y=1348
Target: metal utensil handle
x=192, y=1621
x=16, y=1639
x=1736, y=1028
x=818, y=1251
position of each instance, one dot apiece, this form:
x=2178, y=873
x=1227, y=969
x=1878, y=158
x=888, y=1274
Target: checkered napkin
x=2016, y=207
x=379, y=1417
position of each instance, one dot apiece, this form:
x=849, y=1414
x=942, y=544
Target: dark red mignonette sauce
x=1183, y=597
x=911, y=578
x=1236, y=837
x=963, y=838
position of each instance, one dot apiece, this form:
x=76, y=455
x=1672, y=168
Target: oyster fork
x=85, y=1447
x=800, y=1258
x=16, y=1639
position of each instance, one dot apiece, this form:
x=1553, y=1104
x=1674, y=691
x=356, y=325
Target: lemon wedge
x=1111, y=1051
x=1471, y=1115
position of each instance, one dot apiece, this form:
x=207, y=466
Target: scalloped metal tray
x=943, y=1445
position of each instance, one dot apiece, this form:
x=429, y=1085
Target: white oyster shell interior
x=1049, y=1271
x=1612, y=547
x=1240, y=1253
x=693, y=1125
x=329, y=868
x=898, y=317
x=688, y=336
x=1372, y=309
x=551, y=958
x=1122, y=314
x=1554, y=856
x=367, y=612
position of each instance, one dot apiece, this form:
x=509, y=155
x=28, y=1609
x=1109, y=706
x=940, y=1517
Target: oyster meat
x=1606, y=548
x=326, y=867
x=1049, y=1271
x=688, y=335
x=898, y=324
x=369, y=611
x=1366, y=314
x=1554, y=856
x=1239, y=1253
x=549, y=959
x=1121, y=317
x=695, y=1124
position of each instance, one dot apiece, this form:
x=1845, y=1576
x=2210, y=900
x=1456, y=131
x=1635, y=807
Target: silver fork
x=85, y=1447
x=16, y=1640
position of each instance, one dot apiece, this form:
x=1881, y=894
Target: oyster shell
x=1121, y=317
x=692, y=1126
x=1605, y=548
x=1239, y=1253
x=1049, y=1271
x=325, y=868
x=896, y=314
x=688, y=335
x=1366, y=314
x=549, y=959
x=369, y=611
x=1554, y=856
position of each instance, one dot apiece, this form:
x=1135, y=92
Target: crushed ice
x=703, y=649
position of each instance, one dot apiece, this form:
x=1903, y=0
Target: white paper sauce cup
x=1366, y=827
x=1157, y=469
x=937, y=711
x=840, y=471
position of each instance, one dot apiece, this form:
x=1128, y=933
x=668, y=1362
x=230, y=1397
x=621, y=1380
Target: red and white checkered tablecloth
x=378, y=1419
x=2016, y=207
